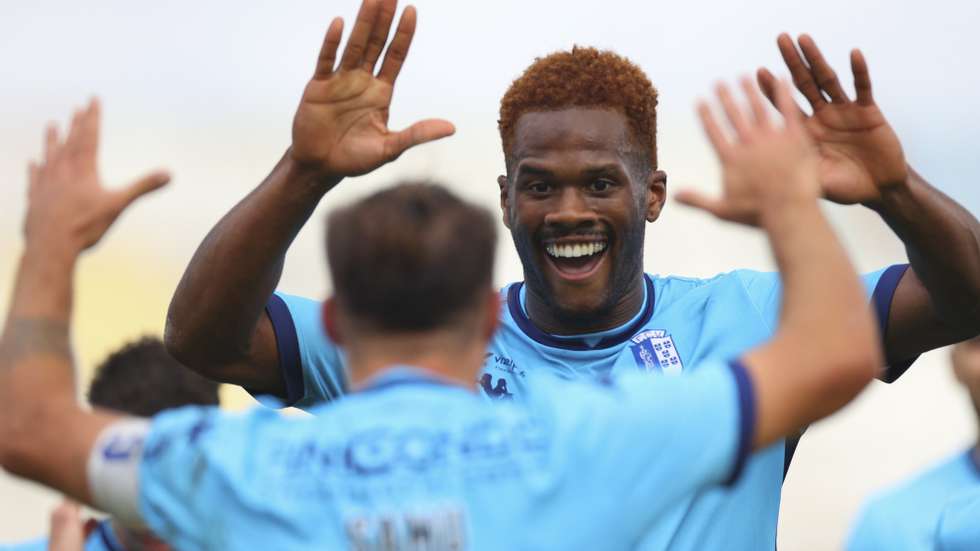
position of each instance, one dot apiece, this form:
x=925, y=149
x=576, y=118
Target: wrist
x=894, y=194
x=316, y=178
x=790, y=212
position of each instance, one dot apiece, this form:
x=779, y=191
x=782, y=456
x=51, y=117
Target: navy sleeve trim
x=747, y=421
x=881, y=298
x=290, y=365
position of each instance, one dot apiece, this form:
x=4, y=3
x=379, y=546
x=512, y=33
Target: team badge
x=654, y=350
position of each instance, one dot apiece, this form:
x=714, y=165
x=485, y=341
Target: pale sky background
x=208, y=91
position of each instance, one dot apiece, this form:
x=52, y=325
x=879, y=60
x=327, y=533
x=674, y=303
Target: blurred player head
x=579, y=137
x=142, y=379
x=966, y=365
x=412, y=273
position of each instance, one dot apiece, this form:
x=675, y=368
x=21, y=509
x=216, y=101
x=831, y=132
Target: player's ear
x=656, y=185
x=504, y=199
x=492, y=316
x=329, y=313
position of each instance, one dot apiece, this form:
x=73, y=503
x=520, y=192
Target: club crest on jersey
x=654, y=350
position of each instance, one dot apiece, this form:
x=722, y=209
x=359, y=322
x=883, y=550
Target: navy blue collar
x=529, y=329
x=400, y=375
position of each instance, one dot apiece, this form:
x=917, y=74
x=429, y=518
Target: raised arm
x=937, y=301
x=44, y=435
x=825, y=349
x=217, y=323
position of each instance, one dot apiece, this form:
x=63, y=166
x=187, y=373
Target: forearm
x=942, y=240
x=221, y=296
x=37, y=381
x=826, y=347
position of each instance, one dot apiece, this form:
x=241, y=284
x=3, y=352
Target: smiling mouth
x=576, y=260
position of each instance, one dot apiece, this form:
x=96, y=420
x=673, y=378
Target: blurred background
x=207, y=90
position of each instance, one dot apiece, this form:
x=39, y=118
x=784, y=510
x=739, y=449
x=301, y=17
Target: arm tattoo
x=34, y=337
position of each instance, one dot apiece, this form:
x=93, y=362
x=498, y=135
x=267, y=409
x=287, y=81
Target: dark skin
x=574, y=179
x=217, y=324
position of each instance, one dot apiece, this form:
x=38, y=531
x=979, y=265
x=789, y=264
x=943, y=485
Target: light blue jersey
x=102, y=538
x=683, y=326
x=959, y=524
x=410, y=463
x=908, y=517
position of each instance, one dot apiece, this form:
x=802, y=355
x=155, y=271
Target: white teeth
x=575, y=251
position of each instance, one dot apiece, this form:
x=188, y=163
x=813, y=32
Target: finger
x=824, y=75
x=88, y=136
x=734, y=113
x=862, y=78
x=380, y=34
x=419, y=133
x=715, y=134
x=398, y=49
x=801, y=73
x=51, y=144
x=357, y=42
x=768, y=83
x=699, y=201
x=328, y=52
x=787, y=107
x=755, y=102
x=142, y=186
x=74, y=129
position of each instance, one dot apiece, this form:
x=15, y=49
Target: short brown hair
x=142, y=379
x=583, y=77
x=410, y=258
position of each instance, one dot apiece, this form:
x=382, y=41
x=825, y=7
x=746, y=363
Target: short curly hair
x=583, y=77
x=142, y=379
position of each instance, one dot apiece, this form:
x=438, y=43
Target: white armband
x=114, y=469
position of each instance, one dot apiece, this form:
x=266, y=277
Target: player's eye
x=539, y=187
x=601, y=185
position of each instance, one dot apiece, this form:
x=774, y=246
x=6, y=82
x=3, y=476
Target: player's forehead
x=600, y=134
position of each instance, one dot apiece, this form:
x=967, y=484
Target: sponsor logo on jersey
x=654, y=350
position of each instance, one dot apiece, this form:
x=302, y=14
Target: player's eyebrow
x=524, y=168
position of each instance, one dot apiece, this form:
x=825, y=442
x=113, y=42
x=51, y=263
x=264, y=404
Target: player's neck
x=449, y=362
x=550, y=320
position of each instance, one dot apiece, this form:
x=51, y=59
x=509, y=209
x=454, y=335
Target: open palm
x=860, y=154
x=341, y=125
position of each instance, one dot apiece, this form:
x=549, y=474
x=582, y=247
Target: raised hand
x=67, y=204
x=860, y=155
x=341, y=126
x=764, y=166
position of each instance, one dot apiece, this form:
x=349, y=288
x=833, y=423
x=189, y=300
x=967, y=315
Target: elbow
x=186, y=349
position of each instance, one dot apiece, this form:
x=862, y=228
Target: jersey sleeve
x=765, y=292
x=871, y=531
x=312, y=365
x=646, y=442
x=206, y=483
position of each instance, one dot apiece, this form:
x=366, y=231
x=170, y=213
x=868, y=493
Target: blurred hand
x=67, y=205
x=67, y=528
x=765, y=167
x=860, y=154
x=341, y=126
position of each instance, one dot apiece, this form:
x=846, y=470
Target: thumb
x=142, y=186
x=419, y=133
x=699, y=201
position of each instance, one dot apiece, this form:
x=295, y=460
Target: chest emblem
x=654, y=350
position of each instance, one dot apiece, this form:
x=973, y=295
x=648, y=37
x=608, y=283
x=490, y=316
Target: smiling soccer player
x=583, y=179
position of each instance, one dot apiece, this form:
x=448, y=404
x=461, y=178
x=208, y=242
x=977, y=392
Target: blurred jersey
x=411, y=463
x=910, y=516
x=102, y=538
x=683, y=326
x=959, y=524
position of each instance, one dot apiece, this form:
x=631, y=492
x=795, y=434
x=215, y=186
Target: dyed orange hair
x=583, y=77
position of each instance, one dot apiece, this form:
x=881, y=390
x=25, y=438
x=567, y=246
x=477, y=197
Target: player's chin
x=578, y=287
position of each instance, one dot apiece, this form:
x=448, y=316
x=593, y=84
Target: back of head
x=142, y=379
x=587, y=78
x=409, y=259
